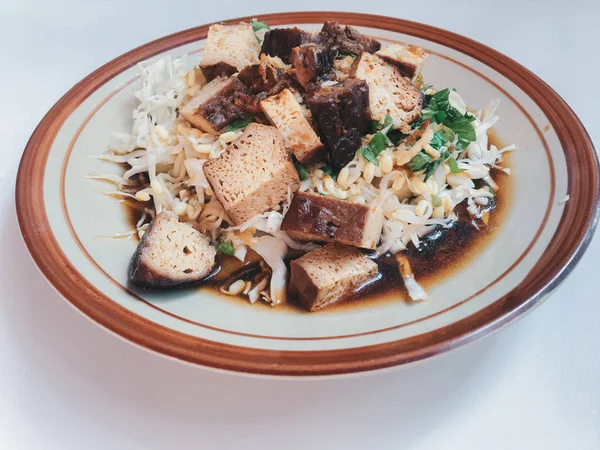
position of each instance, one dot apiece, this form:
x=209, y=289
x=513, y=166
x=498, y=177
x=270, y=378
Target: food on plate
x=252, y=175
x=317, y=218
x=330, y=274
x=284, y=112
x=171, y=253
x=214, y=108
x=291, y=164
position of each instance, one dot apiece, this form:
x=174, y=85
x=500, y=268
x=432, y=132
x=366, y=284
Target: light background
x=67, y=384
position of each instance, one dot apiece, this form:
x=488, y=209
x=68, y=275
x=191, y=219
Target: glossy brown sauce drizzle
x=441, y=253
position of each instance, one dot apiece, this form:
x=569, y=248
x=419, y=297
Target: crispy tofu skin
x=253, y=174
x=171, y=254
x=314, y=217
x=284, y=111
x=329, y=274
x=409, y=59
x=389, y=92
x=214, y=107
x=342, y=115
x=229, y=48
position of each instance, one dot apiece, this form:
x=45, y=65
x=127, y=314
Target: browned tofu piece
x=314, y=217
x=284, y=111
x=229, y=48
x=409, y=59
x=330, y=274
x=253, y=174
x=389, y=92
x=213, y=108
x=171, y=254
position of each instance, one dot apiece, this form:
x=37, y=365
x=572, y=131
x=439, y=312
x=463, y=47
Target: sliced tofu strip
x=284, y=111
x=229, y=48
x=253, y=174
x=409, y=59
x=389, y=92
x=314, y=217
x=171, y=254
x=214, y=107
x=329, y=274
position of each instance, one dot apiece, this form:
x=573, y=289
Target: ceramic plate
x=63, y=217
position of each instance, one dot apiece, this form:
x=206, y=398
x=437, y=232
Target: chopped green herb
x=454, y=166
x=419, y=162
x=440, y=111
x=257, y=25
x=376, y=145
x=226, y=248
x=433, y=165
x=375, y=126
x=302, y=170
x=417, y=123
x=388, y=124
x=240, y=124
x=329, y=171
x=437, y=141
x=435, y=200
x=396, y=136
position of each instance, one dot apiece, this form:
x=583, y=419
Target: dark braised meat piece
x=262, y=81
x=310, y=62
x=345, y=39
x=260, y=77
x=342, y=114
x=281, y=41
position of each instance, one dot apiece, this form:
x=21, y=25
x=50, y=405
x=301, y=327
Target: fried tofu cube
x=314, y=217
x=253, y=174
x=389, y=92
x=329, y=274
x=284, y=112
x=409, y=59
x=229, y=48
x=171, y=254
x=214, y=108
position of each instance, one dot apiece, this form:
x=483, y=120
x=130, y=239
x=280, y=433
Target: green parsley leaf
x=240, y=124
x=419, y=162
x=226, y=248
x=302, y=170
x=454, y=166
x=257, y=25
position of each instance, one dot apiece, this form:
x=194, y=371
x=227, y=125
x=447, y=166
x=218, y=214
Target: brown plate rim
x=574, y=232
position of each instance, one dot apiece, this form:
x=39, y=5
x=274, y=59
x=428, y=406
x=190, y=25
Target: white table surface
x=67, y=384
